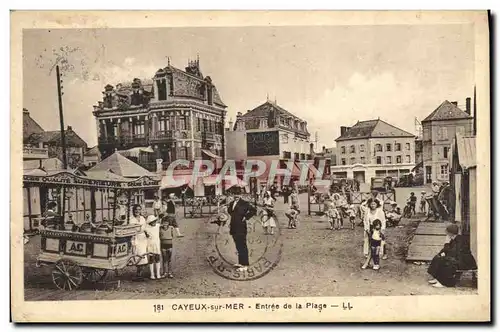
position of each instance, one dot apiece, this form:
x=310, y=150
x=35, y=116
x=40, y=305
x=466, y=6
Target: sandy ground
x=315, y=262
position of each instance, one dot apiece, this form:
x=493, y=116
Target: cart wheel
x=94, y=275
x=67, y=275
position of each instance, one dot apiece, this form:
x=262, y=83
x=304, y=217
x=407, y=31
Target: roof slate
x=30, y=126
x=446, y=111
x=372, y=129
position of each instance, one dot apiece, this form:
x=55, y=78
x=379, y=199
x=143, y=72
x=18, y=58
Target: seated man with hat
x=454, y=256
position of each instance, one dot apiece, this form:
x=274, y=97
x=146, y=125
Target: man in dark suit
x=240, y=211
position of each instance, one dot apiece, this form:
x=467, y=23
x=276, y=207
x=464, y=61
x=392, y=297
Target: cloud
x=364, y=97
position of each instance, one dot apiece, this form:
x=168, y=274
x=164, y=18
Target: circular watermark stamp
x=264, y=251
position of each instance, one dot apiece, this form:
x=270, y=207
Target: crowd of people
x=153, y=243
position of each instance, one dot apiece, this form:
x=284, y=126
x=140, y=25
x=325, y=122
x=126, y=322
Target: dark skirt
x=444, y=270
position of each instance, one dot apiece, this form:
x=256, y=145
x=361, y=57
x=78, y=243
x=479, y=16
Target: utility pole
x=61, y=118
x=475, y=113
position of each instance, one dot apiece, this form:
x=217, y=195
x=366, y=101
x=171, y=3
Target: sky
x=330, y=76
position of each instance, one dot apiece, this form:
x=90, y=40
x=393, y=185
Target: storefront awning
x=176, y=181
x=211, y=180
x=231, y=182
x=210, y=154
x=135, y=152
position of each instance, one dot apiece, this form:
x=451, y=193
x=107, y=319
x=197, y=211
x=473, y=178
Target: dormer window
x=162, y=89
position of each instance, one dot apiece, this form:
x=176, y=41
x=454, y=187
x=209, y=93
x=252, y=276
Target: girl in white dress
x=268, y=218
x=140, y=241
x=153, y=247
x=373, y=212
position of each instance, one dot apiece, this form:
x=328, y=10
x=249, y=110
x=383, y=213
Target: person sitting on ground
x=394, y=216
x=454, y=256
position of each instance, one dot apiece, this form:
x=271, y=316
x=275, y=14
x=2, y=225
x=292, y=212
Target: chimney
x=239, y=114
x=230, y=123
x=69, y=128
x=25, y=111
x=324, y=148
x=467, y=105
x=454, y=103
x=343, y=130
x=311, y=148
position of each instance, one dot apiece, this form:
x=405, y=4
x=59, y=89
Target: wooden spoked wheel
x=67, y=275
x=94, y=275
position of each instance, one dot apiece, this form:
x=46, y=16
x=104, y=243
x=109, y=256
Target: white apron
x=140, y=240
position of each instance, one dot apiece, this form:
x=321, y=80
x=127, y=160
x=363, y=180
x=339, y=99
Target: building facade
x=32, y=151
x=41, y=144
x=178, y=114
x=439, y=130
x=267, y=133
x=373, y=148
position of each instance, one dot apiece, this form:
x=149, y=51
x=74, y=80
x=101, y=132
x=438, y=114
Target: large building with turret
x=176, y=114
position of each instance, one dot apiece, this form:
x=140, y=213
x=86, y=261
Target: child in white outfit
x=153, y=248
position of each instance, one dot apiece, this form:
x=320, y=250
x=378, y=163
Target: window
x=407, y=146
x=397, y=146
x=443, y=133
x=198, y=124
x=163, y=124
x=398, y=160
x=379, y=160
x=352, y=149
x=353, y=160
x=445, y=152
x=408, y=159
x=287, y=155
x=362, y=148
x=139, y=128
x=342, y=149
x=388, y=160
x=363, y=161
x=183, y=123
x=343, y=161
x=460, y=130
x=378, y=147
x=388, y=147
x=444, y=170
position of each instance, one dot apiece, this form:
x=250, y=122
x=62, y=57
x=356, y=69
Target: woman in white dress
x=153, y=247
x=373, y=211
x=140, y=241
x=268, y=218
